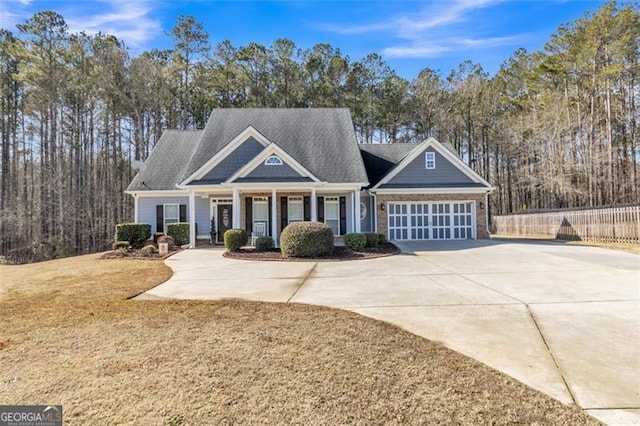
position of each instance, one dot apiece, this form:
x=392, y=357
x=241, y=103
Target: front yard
x=69, y=336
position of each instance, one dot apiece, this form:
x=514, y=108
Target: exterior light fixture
x=382, y=206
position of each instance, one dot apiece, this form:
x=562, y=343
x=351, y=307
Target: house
x=261, y=169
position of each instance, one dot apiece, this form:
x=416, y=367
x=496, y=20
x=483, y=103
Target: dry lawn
x=69, y=336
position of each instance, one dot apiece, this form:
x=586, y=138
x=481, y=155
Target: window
x=260, y=213
x=295, y=210
x=430, y=160
x=171, y=214
x=273, y=160
x=332, y=214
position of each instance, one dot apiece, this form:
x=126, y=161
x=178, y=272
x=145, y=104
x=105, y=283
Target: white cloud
x=436, y=29
x=129, y=20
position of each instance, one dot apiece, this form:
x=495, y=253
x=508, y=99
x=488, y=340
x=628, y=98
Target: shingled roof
x=379, y=159
x=321, y=139
x=167, y=162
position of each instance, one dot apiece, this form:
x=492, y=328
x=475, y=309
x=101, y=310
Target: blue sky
x=410, y=35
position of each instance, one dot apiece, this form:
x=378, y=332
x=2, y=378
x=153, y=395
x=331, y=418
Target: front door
x=224, y=219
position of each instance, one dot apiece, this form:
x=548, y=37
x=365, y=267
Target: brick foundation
x=481, y=214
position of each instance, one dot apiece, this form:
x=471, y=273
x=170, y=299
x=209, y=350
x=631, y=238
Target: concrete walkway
x=562, y=319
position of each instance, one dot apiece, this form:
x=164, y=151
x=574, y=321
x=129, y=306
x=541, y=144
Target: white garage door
x=431, y=221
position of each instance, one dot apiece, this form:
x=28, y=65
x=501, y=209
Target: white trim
x=433, y=190
x=225, y=151
x=269, y=151
x=136, y=210
x=432, y=142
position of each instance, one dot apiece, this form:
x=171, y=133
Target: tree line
x=552, y=128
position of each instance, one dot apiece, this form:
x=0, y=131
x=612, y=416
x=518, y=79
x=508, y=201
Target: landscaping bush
x=382, y=239
x=264, y=243
x=169, y=240
x=121, y=245
x=306, y=239
x=372, y=239
x=179, y=232
x=148, y=250
x=135, y=233
x=355, y=242
x=235, y=238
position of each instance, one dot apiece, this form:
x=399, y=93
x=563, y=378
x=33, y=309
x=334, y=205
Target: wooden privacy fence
x=610, y=224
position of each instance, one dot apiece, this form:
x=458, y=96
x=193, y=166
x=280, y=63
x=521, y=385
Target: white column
x=314, y=205
x=274, y=217
x=136, y=213
x=351, y=228
x=192, y=219
x=235, y=217
x=356, y=210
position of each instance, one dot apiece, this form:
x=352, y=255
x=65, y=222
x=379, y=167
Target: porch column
x=135, y=209
x=274, y=217
x=192, y=219
x=356, y=210
x=314, y=205
x=352, y=219
x=235, y=219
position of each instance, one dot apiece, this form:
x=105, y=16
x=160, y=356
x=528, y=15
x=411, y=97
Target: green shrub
x=135, y=233
x=372, y=239
x=169, y=240
x=382, y=239
x=264, y=243
x=121, y=245
x=179, y=232
x=235, y=238
x=355, y=242
x=306, y=239
x=148, y=250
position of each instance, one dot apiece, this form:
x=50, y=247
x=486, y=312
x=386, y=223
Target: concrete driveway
x=562, y=319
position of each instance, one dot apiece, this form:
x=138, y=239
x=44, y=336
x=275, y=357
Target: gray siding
x=233, y=162
x=147, y=211
x=366, y=225
x=264, y=171
x=147, y=208
x=417, y=173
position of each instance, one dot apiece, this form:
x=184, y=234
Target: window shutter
x=320, y=209
x=248, y=216
x=183, y=213
x=307, y=208
x=270, y=218
x=343, y=215
x=284, y=213
x=159, y=218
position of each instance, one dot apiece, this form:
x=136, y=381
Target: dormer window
x=430, y=160
x=273, y=160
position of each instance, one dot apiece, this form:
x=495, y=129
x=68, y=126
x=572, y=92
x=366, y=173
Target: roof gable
x=245, y=146
x=457, y=173
x=257, y=168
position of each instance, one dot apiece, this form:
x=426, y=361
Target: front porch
x=267, y=211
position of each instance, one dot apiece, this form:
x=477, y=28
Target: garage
x=431, y=221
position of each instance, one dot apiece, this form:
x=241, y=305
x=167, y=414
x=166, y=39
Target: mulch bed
x=339, y=254
x=136, y=254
